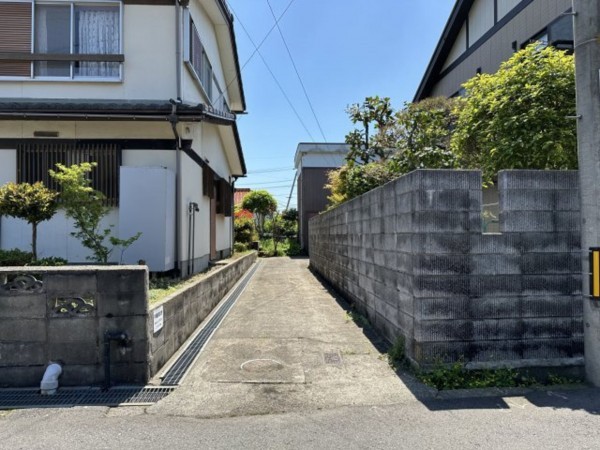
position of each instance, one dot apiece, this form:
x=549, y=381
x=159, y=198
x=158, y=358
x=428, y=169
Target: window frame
x=71, y=77
x=210, y=88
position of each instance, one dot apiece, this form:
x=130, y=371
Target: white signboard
x=158, y=319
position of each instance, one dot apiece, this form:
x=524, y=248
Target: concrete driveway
x=286, y=345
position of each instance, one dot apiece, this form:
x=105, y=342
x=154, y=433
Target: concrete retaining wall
x=412, y=256
x=185, y=310
x=62, y=313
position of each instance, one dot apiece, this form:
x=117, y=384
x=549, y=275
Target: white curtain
x=98, y=33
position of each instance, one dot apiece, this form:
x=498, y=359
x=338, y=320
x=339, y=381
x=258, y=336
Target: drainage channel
x=177, y=371
x=89, y=396
x=127, y=395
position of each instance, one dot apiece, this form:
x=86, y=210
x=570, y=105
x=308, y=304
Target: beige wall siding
x=490, y=54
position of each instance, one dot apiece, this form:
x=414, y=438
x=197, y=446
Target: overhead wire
x=235, y=78
x=296, y=70
x=287, y=98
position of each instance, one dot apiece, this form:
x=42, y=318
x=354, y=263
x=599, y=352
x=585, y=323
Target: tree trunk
x=34, y=240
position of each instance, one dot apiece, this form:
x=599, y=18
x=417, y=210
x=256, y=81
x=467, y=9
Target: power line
x=296, y=70
x=278, y=169
x=274, y=77
x=266, y=182
x=235, y=78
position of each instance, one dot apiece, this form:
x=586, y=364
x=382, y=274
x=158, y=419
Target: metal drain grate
x=68, y=397
x=176, y=372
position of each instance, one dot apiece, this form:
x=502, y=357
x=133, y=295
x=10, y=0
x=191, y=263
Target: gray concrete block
x=539, y=200
x=134, y=326
x=448, y=179
x=75, y=353
x=553, y=327
x=442, y=264
x=517, y=221
x=441, y=222
x=70, y=283
x=495, y=285
x=440, y=285
x=124, y=280
x=443, y=200
x=23, y=376
x=506, y=243
x=551, y=284
x=22, y=354
x=550, y=242
x=73, y=329
x=538, y=179
x=23, y=306
x=122, y=303
x=550, y=263
x=437, y=243
x=23, y=330
x=495, y=264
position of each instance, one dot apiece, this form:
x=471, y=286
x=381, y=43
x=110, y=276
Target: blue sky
x=344, y=51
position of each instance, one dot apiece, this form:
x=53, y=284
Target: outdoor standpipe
x=119, y=337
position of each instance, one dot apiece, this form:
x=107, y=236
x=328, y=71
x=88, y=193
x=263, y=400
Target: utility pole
x=587, y=67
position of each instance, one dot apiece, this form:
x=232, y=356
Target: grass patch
x=160, y=288
x=358, y=319
x=457, y=376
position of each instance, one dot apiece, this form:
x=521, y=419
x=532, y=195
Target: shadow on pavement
x=575, y=398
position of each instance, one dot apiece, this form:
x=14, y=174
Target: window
x=70, y=39
x=34, y=160
x=201, y=68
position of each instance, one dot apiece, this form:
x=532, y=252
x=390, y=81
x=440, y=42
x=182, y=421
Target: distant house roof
x=320, y=148
x=239, y=194
x=459, y=14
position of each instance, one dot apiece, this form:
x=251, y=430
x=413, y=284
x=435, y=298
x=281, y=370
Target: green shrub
x=244, y=230
x=15, y=257
x=239, y=247
x=49, y=261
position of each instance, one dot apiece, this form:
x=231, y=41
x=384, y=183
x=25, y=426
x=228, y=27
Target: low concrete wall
x=185, y=310
x=62, y=313
x=412, y=256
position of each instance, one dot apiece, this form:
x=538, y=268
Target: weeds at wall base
x=445, y=376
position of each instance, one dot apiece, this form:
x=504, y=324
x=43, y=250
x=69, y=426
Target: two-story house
x=147, y=89
x=481, y=34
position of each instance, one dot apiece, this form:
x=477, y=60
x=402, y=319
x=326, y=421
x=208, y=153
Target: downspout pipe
x=174, y=120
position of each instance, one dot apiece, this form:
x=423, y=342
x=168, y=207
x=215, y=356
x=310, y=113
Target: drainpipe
x=109, y=336
x=174, y=119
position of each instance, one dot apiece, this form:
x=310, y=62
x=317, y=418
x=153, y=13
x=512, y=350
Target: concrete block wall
x=185, y=310
x=412, y=256
x=60, y=313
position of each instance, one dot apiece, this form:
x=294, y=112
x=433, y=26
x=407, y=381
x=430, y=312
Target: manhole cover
x=261, y=365
x=333, y=358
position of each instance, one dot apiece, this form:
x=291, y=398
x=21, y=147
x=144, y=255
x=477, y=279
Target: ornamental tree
x=516, y=118
x=372, y=142
x=262, y=204
x=34, y=203
x=86, y=206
